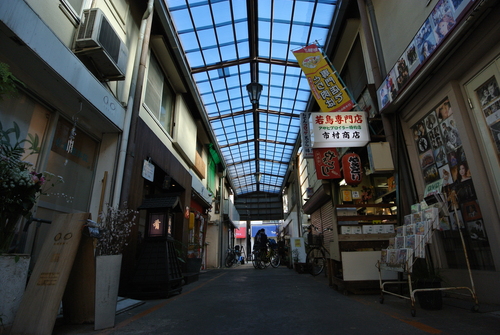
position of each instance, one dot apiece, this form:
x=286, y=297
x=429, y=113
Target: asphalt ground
x=243, y=300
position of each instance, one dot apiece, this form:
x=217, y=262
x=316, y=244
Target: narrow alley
x=243, y=300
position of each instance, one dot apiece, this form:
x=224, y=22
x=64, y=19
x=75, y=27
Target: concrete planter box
x=13, y=277
x=106, y=290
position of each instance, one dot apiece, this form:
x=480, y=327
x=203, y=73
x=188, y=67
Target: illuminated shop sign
x=340, y=130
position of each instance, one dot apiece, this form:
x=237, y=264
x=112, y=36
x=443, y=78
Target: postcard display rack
x=410, y=243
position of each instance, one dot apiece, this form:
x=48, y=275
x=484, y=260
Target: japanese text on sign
x=342, y=129
x=327, y=164
x=326, y=87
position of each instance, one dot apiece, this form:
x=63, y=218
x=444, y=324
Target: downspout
x=365, y=23
x=388, y=129
x=132, y=111
x=221, y=220
x=376, y=36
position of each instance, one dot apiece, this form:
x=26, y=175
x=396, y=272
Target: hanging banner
x=327, y=163
x=327, y=88
x=340, y=130
x=351, y=168
x=305, y=133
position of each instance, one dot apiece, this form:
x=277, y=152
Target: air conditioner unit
x=96, y=41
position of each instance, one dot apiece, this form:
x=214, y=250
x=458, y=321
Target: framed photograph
x=346, y=196
x=476, y=230
x=446, y=175
x=471, y=210
x=453, y=221
x=444, y=110
x=411, y=57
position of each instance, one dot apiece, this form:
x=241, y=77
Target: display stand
x=362, y=231
x=418, y=251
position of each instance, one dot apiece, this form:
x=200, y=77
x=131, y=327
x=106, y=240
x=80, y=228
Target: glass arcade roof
x=231, y=43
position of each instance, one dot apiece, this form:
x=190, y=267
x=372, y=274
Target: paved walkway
x=243, y=300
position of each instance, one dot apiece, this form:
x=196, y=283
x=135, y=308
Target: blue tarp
x=270, y=230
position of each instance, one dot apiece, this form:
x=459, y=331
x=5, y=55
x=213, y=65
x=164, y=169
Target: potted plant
x=425, y=276
x=20, y=187
x=299, y=267
x=115, y=225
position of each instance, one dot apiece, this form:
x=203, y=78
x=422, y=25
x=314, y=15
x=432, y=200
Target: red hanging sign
x=326, y=161
x=351, y=165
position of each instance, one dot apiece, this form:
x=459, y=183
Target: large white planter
x=106, y=290
x=13, y=276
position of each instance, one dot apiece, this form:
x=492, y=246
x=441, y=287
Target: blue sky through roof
x=215, y=32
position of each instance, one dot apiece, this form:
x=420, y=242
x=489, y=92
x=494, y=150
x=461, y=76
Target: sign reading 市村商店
x=340, y=130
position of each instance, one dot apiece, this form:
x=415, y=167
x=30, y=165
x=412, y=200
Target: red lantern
x=351, y=166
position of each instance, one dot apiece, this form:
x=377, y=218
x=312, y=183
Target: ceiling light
x=257, y=176
x=254, y=90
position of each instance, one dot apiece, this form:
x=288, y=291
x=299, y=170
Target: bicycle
x=257, y=259
x=231, y=257
x=263, y=258
x=273, y=254
x=316, y=259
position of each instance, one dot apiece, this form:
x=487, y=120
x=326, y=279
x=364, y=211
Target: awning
x=162, y=202
x=320, y=197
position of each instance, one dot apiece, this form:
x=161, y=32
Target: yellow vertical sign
x=326, y=87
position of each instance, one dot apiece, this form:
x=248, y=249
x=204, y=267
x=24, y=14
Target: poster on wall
x=489, y=96
x=445, y=168
x=443, y=18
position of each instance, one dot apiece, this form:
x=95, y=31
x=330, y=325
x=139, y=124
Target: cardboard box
x=378, y=228
x=389, y=229
x=356, y=230
x=380, y=157
x=345, y=230
x=368, y=229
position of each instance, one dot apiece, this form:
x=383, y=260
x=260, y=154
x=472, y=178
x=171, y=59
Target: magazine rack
x=418, y=251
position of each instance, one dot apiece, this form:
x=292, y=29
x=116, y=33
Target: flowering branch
x=20, y=184
x=115, y=226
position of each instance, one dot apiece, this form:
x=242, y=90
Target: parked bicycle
x=231, y=257
x=316, y=256
x=261, y=259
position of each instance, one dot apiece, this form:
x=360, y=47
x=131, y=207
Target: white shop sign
x=148, y=171
x=340, y=129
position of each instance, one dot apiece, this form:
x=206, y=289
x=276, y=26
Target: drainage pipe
x=132, y=111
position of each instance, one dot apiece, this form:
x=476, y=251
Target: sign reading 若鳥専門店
x=326, y=87
x=340, y=130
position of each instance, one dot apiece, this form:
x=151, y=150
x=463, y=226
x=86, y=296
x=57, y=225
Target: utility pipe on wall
x=131, y=113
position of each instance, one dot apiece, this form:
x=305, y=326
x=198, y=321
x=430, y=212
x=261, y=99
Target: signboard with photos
x=438, y=25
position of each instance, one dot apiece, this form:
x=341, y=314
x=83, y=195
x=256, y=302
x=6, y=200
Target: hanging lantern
x=351, y=166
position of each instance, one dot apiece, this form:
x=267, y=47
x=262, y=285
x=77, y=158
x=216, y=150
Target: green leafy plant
x=295, y=255
x=20, y=184
x=8, y=82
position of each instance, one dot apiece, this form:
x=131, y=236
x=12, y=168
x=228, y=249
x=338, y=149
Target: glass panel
x=223, y=36
x=442, y=157
x=77, y=166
